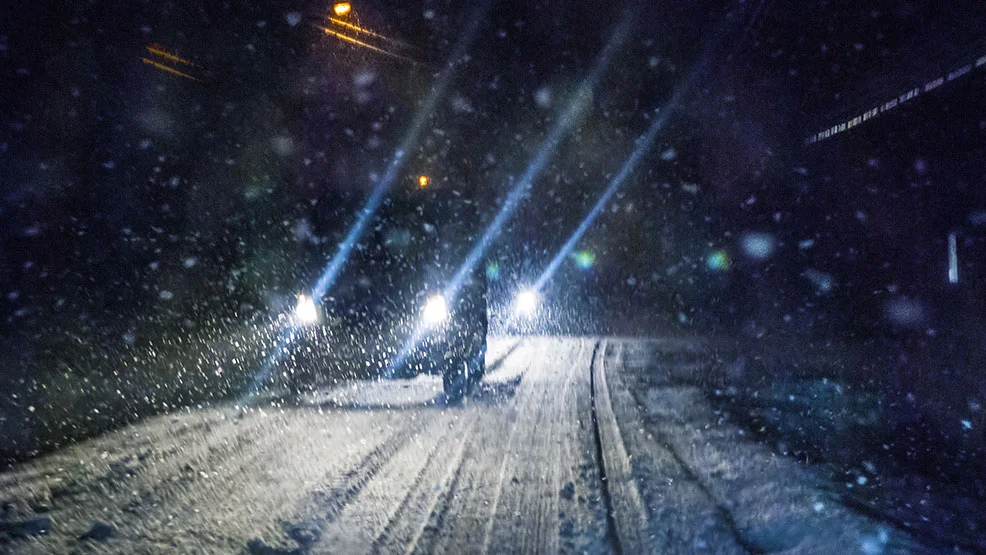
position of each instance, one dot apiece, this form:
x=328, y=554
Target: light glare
x=342, y=8
x=435, y=311
x=305, y=312
x=526, y=303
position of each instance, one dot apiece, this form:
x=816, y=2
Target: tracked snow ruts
x=321, y=508
x=407, y=523
x=361, y=523
x=668, y=489
x=626, y=516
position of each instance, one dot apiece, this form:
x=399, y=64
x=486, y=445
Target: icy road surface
x=573, y=445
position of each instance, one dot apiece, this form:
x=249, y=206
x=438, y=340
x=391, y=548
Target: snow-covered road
x=573, y=445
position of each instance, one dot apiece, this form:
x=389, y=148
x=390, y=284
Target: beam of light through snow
x=576, y=109
x=336, y=263
x=644, y=144
x=377, y=196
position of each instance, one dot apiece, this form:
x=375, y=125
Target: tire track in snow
x=407, y=523
x=323, y=507
x=625, y=514
x=526, y=509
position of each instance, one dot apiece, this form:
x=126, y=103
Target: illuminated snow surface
x=388, y=466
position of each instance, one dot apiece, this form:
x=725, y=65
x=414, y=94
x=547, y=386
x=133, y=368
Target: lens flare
x=718, y=261
x=585, y=259
x=492, y=270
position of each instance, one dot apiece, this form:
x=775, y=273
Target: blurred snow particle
x=129, y=338
x=32, y=231
x=690, y=188
x=904, y=312
x=818, y=506
x=461, y=104
x=302, y=230
x=364, y=78
x=190, y=262
x=806, y=244
x=653, y=62
x=977, y=218
x=966, y=425
x=824, y=282
x=156, y=122
x=166, y=295
x=283, y=145
x=429, y=14
x=759, y=246
x=109, y=164
x=543, y=97
x=669, y=155
x=874, y=545
x=921, y=165
x=293, y=18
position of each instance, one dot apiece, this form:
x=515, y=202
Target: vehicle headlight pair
x=436, y=311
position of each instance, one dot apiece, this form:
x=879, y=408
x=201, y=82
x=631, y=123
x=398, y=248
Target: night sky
x=137, y=202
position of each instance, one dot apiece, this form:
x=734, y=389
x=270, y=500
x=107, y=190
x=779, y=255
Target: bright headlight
x=526, y=303
x=435, y=310
x=305, y=311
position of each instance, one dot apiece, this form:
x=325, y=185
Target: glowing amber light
x=423, y=180
x=342, y=8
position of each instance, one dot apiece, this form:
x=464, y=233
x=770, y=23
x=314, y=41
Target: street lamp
x=342, y=9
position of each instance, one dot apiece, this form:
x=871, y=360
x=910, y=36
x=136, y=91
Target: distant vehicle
x=420, y=237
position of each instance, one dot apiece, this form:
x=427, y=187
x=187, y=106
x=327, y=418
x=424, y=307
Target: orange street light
x=423, y=180
x=342, y=9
